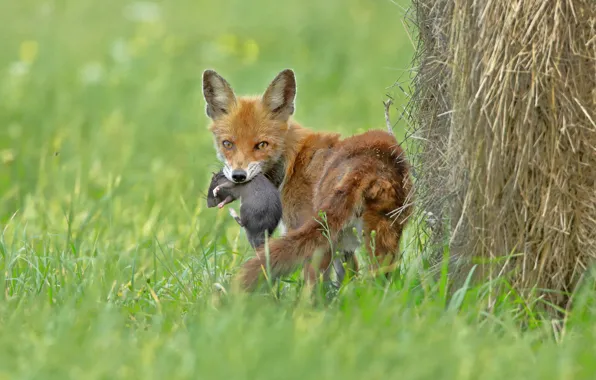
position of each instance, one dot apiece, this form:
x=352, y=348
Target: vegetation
x=112, y=267
x=505, y=108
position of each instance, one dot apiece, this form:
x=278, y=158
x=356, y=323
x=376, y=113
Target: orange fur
x=354, y=181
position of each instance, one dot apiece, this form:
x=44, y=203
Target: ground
x=111, y=266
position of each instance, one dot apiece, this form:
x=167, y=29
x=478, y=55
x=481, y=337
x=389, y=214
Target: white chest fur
x=282, y=228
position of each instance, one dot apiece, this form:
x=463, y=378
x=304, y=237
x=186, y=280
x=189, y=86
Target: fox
x=330, y=186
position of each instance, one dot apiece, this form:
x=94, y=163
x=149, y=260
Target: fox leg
x=338, y=267
x=348, y=242
x=316, y=264
x=327, y=263
x=382, y=236
x=352, y=262
x=351, y=265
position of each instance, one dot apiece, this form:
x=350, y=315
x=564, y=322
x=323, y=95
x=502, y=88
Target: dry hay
x=505, y=110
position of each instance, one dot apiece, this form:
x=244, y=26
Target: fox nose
x=239, y=175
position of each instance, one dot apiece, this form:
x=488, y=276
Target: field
x=112, y=267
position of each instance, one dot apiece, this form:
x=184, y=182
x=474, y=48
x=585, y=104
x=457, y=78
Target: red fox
x=361, y=182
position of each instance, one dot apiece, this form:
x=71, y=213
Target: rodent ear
x=218, y=94
x=279, y=96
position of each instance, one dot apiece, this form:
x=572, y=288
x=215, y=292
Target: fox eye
x=261, y=145
x=227, y=144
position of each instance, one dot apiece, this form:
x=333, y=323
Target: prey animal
x=260, y=209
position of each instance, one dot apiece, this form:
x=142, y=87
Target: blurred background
x=103, y=137
x=112, y=267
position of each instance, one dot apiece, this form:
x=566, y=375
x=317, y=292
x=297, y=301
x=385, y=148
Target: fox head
x=249, y=132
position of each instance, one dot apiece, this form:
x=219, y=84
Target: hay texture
x=505, y=107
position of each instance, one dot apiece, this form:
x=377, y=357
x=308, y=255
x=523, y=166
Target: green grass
x=110, y=263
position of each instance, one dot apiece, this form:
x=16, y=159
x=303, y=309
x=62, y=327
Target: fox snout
x=239, y=175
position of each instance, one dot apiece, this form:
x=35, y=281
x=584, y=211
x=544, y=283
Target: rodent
x=260, y=209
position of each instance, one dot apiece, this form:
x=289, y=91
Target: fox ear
x=279, y=96
x=218, y=94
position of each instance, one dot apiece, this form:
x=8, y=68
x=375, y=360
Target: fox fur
x=329, y=185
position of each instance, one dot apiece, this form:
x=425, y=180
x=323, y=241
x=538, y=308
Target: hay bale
x=505, y=106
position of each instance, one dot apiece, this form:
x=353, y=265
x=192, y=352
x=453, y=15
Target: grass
x=110, y=264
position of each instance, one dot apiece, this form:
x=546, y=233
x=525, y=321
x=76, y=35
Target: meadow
x=112, y=267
